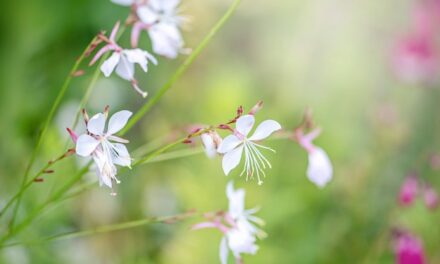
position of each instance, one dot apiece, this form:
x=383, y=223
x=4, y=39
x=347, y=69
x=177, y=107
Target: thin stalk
x=182, y=69
x=109, y=228
x=48, y=120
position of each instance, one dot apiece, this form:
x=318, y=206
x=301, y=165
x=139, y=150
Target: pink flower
x=430, y=197
x=409, y=190
x=408, y=249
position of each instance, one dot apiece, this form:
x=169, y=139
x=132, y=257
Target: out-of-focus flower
x=211, y=140
x=430, y=196
x=160, y=18
x=233, y=145
x=123, y=60
x=320, y=169
x=105, y=148
x=239, y=233
x=416, y=58
x=408, y=249
x=409, y=190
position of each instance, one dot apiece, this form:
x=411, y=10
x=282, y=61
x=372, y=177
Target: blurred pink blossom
x=430, y=197
x=408, y=249
x=409, y=190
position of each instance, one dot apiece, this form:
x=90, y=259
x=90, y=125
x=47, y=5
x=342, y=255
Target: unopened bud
x=106, y=110
x=256, y=108
x=78, y=73
x=72, y=135
x=48, y=171
x=85, y=115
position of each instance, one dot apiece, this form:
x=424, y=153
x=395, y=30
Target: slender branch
x=110, y=228
x=48, y=120
x=182, y=69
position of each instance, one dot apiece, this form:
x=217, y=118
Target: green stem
x=46, y=126
x=109, y=228
x=182, y=69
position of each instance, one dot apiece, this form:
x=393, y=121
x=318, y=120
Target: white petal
x=228, y=144
x=209, y=145
x=123, y=2
x=236, y=200
x=85, y=145
x=118, y=121
x=166, y=39
x=245, y=124
x=109, y=65
x=147, y=15
x=231, y=159
x=96, y=124
x=265, y=129
x=125, y=69
x=137, y=56
x=224, y=251
x=123, y=157
x=320, y=169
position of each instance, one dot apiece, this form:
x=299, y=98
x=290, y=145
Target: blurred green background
x=329, y=55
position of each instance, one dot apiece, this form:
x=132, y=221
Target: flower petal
x=231, y=159
x=123, y=2
x=224, y=251
x=320, y=169
x=245, y=124
x=118, y=121
x=166, y=39
x=228, y=144
x=147, y=15
x=96, y=124
x=137, y=56
x=109, y=65
x=236, y=200
x=265, y=129
x=125, y=69
x=209, y=145
x=85, y=145
x=123, y=157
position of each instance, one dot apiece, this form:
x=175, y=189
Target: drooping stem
x=182, y=69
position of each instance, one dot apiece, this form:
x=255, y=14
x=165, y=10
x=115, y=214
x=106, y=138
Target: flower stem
x=48, y=120
x=110, y=228
x=182, y=69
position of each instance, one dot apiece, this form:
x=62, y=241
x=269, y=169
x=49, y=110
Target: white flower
x=124, y=61
x=97, y=144
x=232, y=147
x=238, y=213
x=239, y=233
x=239, y=240
x=319, y=170
x=162, y=21
x=211, y=140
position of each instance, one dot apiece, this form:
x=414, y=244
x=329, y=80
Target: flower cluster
x=237, y=225
x=162, y=22
x=412, y=187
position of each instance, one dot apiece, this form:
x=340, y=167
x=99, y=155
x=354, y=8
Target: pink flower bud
x=72, y=135
x=408, y=249
x=409, y=190
x=430, y=197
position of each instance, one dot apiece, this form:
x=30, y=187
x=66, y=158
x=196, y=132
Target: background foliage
x=329, y=55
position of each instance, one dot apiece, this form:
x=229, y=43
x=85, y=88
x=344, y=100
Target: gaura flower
x=430, y=197
x=211, y=140
x=409, y=190
x=239, y=233
x=160, y=18
x=408, y=249
x=123, y=60
x=106, y=149
x=319, y=170
x=233, y=145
